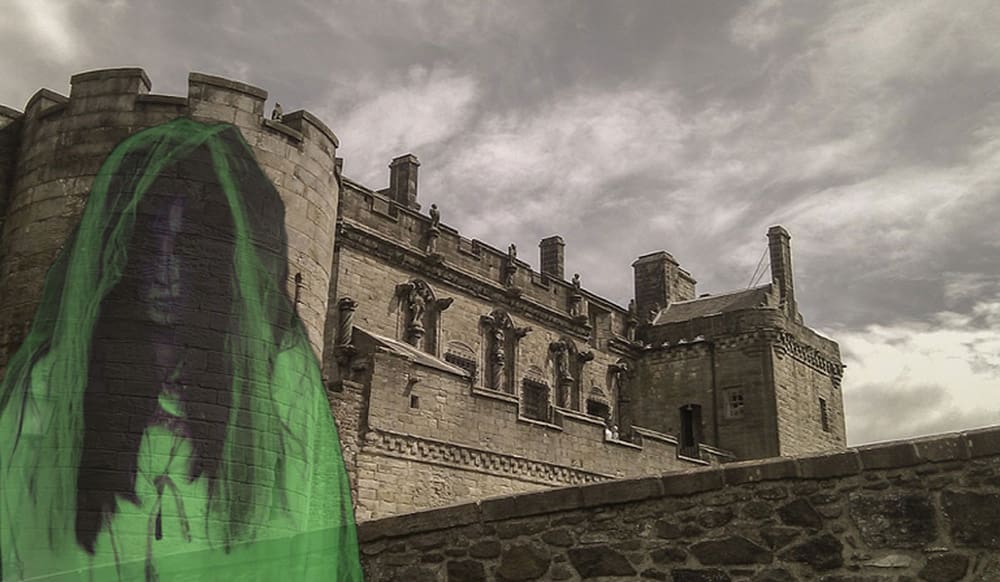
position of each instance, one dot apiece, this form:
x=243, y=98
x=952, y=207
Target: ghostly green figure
x=164, y=418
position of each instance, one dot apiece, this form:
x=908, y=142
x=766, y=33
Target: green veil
x=274, y=500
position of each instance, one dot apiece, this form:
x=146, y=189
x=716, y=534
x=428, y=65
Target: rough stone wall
x=429, y=455
x=64, y=141
x=907, y=511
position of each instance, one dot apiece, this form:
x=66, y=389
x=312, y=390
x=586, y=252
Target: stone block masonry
x=919, y=510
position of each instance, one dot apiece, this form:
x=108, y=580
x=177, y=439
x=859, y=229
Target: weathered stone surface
x=594, y=561
x=668, y=530
x=800, y=513
x=653, y=574
x=730, y=551
x=945, y=568
x=975, y=518
x=777, y=575
x=714, y=518
x=523, y=562
x=822, y=552
x=466, y=571
x=558, y=537
x=417, y=574
x=894, y=519
x=709, y=575
x=485, y=549
x=668, y=555
x=777, y=536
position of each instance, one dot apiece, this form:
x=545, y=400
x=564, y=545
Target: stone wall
x=430, y=439
x=903, y=511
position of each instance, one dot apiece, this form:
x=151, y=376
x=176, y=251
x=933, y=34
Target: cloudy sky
x=871, y=130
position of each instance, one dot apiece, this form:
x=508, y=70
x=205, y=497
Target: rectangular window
x=824, y=415
x=535, y=401
x=734, y=402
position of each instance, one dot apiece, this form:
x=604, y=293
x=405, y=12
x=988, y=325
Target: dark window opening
x=824, y=415
x=690, y=429
x=598, y=409
x=535, y=401
x=467, y=364
x=414, y=401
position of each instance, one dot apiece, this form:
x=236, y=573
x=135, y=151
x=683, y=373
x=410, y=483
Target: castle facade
x=454, y=370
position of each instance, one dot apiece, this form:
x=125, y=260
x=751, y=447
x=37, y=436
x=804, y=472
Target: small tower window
x=824, y=415
x=414, y=401
x=734, y=402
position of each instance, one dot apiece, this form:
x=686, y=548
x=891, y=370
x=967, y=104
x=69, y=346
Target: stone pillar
x=403, y=180
x=553, y=257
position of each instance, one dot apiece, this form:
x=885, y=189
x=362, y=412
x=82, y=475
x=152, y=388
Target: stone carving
x=502, y=338
x=510, y=266
x=344, y=349
x=277, y=113
x=435, y=216
x=576, y=298
x=631, y=321
x=421, y=310
x=434, y=231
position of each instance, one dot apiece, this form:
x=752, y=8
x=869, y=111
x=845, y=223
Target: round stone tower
x=50, y=155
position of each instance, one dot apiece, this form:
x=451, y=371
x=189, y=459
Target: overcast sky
x=871, y=130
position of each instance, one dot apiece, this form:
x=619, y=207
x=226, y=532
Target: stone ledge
x=46, y=94
x=204, y=79
x=295, y=119
x=105, y=74
x=9, y=112
x=283, y=129
x=890, y=455
x=158, y=99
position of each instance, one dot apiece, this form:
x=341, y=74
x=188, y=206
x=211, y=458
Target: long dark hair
x=78, y=394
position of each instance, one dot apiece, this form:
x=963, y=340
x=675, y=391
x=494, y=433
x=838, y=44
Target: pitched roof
x=406, y=350
x=713, y=304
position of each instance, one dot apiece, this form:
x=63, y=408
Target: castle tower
x=59, y=143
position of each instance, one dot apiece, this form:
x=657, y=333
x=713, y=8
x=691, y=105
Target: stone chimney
x=780, y=250
x=403, y=181
x=553, y=257
x=659, y=280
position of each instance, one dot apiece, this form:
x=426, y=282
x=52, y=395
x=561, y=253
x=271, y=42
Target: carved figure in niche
x=277, y=113
x=417, y=305
x=420, y=312
x=560, y=361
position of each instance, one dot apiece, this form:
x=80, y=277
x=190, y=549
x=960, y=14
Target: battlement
x=404, y=232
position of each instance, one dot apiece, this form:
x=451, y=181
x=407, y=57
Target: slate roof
x=404, y=349
x=713, y=304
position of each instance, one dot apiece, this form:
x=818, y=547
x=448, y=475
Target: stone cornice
x=425, y=450
x=362, y=239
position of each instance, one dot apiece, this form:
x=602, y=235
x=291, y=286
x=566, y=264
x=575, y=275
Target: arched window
x=567, y=372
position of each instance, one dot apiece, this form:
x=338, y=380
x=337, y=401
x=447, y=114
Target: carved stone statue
x=435, y=216
x=417, y=306
x=560, y=360
x=497, y=358
x=576, y=282
x=512, y=253
x=277, y=113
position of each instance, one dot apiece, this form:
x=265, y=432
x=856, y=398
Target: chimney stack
x=659, y=280
x=403, y=181
x=780, y=250
x=553, y=257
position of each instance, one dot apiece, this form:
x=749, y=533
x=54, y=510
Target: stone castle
x=454, y=370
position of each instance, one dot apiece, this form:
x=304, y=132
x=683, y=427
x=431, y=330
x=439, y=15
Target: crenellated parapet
x=59, y=144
